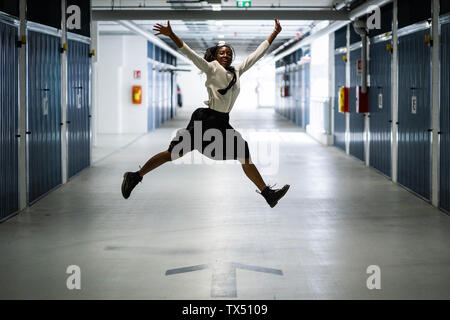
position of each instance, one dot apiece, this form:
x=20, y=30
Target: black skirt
x=210, y=133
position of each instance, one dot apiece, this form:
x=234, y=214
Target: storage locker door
x=9, y=200
x=295, y=96
x=380, y=107
x=339, y=118
x=78, y=108
x=414, y=108
x=288, y=99
x=150, y=97
x=157, y=122
x=299, y=104
x=307, y=93
x=162, y=96
x=277, y=92
x=292, y=97
x=167, y=106
x=444, y=189
x=356, y=119
x=44, y=114
x=165, y=96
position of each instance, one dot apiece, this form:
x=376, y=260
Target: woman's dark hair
x=211, y=53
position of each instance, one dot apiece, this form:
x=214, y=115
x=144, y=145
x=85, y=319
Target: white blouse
x=217, y=77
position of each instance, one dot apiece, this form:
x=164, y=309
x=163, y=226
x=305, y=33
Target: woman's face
x=224, y=56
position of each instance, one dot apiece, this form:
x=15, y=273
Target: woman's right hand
x=166, y=31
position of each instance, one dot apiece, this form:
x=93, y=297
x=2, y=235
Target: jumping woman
x=222, y=83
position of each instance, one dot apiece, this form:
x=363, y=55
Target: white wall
x=192, y=85
x=118, y=57
x=319, y=78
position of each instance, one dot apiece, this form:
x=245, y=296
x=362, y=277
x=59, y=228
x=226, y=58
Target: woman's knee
x=245, y=161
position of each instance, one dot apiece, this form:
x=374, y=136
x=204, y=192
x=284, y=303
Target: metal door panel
x=414, y=114
x=44, y=114
x=380, y=107
x=356, y=119
x=9, y=90
x=78, y=107
x=339, y=118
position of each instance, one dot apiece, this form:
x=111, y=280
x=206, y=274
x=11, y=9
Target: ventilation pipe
x=353, y=15
x=360, y=28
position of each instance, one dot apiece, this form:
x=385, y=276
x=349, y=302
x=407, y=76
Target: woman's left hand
x=277, y=26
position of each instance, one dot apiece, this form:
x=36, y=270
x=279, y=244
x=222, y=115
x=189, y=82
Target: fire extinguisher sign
x=137, y=74
x=359, y=66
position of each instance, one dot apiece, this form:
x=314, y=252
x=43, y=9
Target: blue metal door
x=444, y=189
x=78, y=107
x=380, y=107
x=299, y=97
x=44, y=114
x=414, y=108
x=307, y=85
x=157, y=98
x=339, y=118
x=9, y=196
x=356, y=119
x=150, y=97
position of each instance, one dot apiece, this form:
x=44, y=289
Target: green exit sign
x=243, y=4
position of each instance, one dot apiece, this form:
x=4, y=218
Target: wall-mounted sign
x=137, y=74
x=359, y=66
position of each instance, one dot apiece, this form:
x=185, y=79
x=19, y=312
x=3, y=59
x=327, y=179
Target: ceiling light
x=219, y=23
x=216, y=7
x=221, y=36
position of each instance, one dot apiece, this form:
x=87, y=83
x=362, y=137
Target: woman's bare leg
x=155, y=161
x=253, y=174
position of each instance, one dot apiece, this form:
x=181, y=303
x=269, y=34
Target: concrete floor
x=200, y=231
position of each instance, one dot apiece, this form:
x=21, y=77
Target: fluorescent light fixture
x=219, y=23
x=216, y=7
x=221, y=36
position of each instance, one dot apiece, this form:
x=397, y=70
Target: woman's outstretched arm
x=167, y=31
x=260, y=51
x=201, y=63
x=275, y=32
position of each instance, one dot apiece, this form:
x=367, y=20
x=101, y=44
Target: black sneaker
x=273, y=195
x=130, y=180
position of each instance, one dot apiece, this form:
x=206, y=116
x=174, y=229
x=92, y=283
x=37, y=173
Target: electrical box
x=362, y=100
x=136, y=94
x=343, y=100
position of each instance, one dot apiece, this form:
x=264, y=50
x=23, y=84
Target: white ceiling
x=243, y=35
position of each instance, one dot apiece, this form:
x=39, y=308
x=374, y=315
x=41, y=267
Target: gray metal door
x=9, y=197
x=339, y=118
x=356, y=119
x=444, y=189
x=307, y=72
x=414, y=108
x=380, y=107
x=44, y=114
x=78, y=108
x=299, y=97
